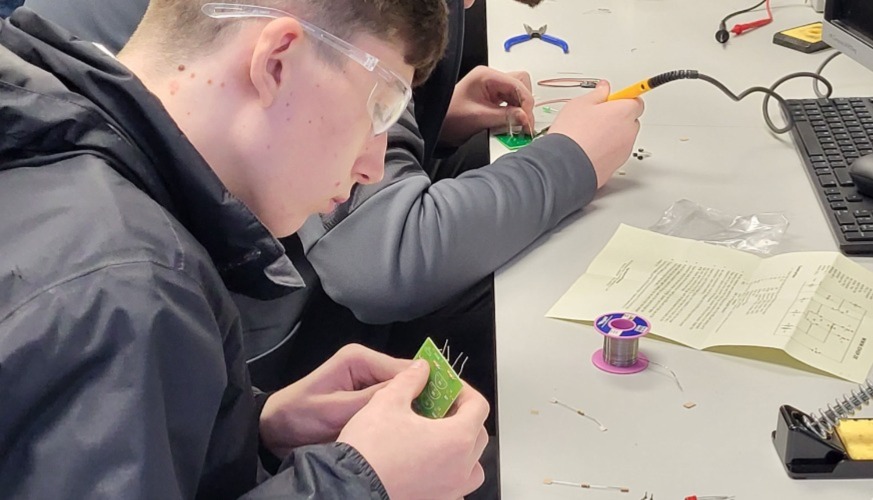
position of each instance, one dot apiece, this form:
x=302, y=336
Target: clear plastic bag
x=756, y=233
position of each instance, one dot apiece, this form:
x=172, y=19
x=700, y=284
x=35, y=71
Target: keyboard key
x=861, y=213
x=854, y=198
x=866, y=227
x=839, y=206
x=864, y=220
x=810, y=141
x=848, y=228
x=844, y=217
x=859, y=236
x=827, y=181
x=843, y=177
x=835, y=197
x=830, y=191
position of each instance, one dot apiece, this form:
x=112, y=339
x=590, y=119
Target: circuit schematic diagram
x=822, y=322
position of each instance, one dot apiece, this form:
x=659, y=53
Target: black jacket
x=122, y=373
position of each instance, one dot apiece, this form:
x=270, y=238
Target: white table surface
x=729, y=162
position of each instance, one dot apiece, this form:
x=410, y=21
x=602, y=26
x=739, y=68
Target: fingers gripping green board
x=514, y=142
x=443, y=384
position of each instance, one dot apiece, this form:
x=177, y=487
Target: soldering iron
x=648, y=84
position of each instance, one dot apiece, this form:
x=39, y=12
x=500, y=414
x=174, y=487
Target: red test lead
x=739, y=29
x=715, y=497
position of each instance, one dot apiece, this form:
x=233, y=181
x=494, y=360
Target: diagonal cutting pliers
x=536, y=33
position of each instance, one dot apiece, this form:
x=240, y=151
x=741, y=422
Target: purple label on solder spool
x=622, y=324
x=620, y=327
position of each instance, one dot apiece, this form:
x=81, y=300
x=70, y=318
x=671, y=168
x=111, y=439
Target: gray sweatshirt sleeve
x=408, y=246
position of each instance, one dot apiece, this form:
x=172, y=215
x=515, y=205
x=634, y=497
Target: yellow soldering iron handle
x=632, y=91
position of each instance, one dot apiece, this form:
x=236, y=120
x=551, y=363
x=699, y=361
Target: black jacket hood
x=62, y=97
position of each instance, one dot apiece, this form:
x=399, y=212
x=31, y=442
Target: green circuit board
x=513, y=142
x=443, y=384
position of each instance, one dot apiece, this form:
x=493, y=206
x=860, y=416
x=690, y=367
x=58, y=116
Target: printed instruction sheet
x=815, y=306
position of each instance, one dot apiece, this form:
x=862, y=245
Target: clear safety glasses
x=389, y=96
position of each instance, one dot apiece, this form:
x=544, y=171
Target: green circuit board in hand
x=443, y=384
x=513, y=142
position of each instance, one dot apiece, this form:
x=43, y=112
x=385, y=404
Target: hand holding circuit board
x=443, y=383
x=431, y=456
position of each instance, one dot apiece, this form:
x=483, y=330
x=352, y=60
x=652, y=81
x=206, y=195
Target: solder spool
x=621, y=336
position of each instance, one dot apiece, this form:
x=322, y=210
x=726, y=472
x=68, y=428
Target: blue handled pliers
x=536, y=33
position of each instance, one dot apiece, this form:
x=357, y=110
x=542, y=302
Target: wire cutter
x=536, y=33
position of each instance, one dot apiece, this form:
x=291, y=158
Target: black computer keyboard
x=830, y=134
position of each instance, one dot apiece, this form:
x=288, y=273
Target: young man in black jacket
x=137, y=192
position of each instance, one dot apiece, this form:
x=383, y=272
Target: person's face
x=317, y=140
x=468, y=3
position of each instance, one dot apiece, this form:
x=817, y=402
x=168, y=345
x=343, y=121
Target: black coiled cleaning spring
x=827, y=419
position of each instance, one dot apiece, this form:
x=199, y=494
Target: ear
x=276, y=49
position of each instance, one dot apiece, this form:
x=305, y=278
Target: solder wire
x=620, y=352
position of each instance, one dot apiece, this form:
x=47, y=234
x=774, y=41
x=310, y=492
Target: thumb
x=520, y=118
x=409, y=383
x=600, y=92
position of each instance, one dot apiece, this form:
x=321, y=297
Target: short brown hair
x=183, y=31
